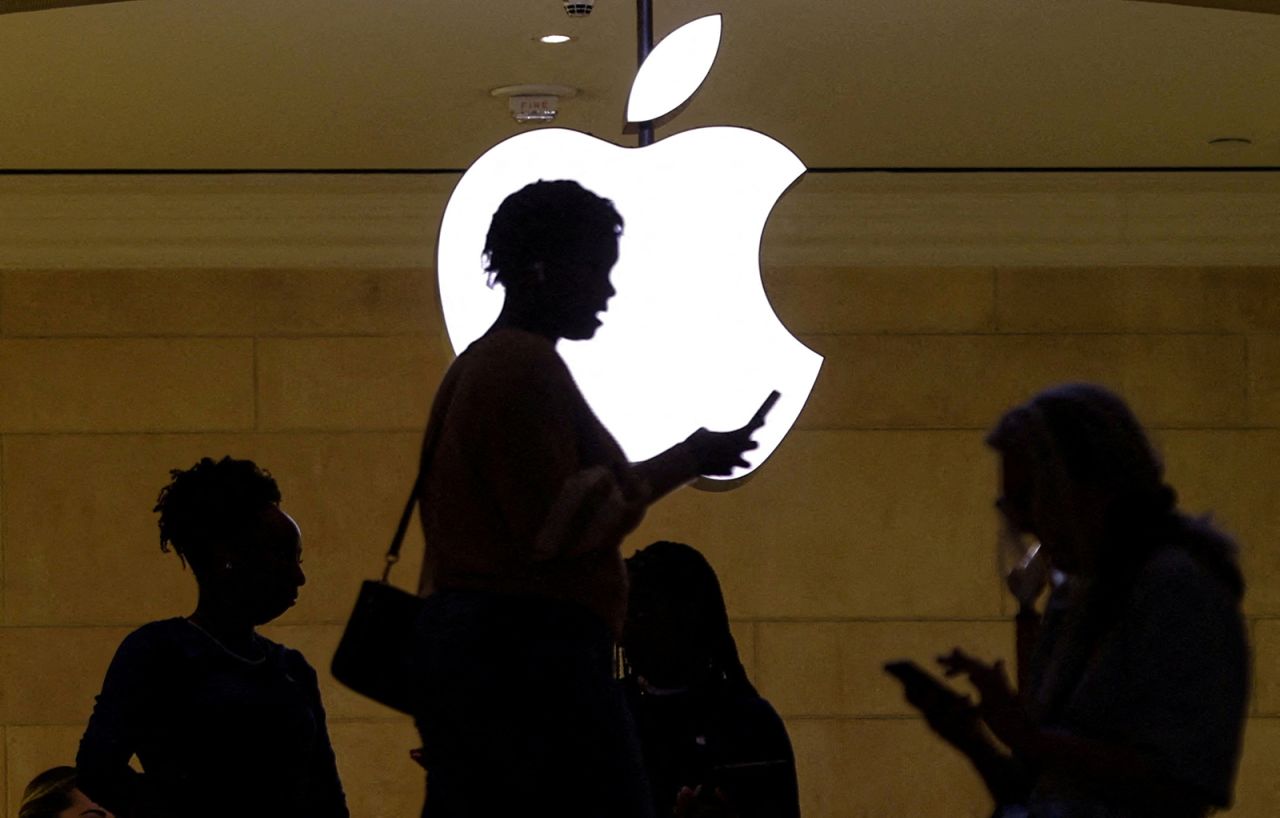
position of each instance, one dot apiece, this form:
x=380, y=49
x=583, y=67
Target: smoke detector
x=532, y=104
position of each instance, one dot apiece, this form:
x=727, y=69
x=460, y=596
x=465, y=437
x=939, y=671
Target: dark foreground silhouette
x=712, y=746
x=525, y=501
x=224, y=721
x=1134, y=696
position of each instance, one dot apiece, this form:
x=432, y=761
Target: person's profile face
x=1049, y=517
x=82, y=807
x=268, y=571
x=661, y=638
x=1017, y=487
x=579, y=289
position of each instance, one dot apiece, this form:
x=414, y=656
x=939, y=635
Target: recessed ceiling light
x=555, y=39
x=1231, y=140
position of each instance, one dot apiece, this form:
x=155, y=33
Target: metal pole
x=644, y=44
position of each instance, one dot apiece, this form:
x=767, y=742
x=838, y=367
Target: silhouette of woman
x=223, y=720
x=1135, y=698
x=702, y=725
x=525, y=501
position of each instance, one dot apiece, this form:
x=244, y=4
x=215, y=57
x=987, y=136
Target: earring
x=227, y=566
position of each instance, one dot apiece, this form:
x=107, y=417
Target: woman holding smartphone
x=525, y=501
x=713, y=746
x=1134, y=698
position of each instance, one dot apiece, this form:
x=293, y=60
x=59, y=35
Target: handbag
x=373, y=655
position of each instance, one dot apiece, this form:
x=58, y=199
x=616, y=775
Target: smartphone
x=757, y=420
x=923, y=689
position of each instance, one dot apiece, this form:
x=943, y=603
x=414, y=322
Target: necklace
x=228, y=650
x=654, y=690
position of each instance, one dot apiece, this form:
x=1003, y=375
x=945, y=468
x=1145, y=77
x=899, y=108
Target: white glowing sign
x=674, y=70
x=690, y=338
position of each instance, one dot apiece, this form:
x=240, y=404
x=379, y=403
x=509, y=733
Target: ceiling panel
x=405, y=83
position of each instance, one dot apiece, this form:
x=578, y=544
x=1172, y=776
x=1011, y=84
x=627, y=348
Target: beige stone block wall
x=1264, y=379
x=347, y=383
x=1258, y=783
x=895, y=381
x=286, y=321
x=377, y=773
x=869, y=768
x=217, y=302
x=117, y=385
x=834, y=669
x=818, y=300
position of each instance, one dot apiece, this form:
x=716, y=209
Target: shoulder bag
x=372, y=656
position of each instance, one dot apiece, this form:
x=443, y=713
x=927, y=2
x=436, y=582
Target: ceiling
x=384, y=84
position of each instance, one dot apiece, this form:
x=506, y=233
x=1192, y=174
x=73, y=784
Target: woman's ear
x=219, y=561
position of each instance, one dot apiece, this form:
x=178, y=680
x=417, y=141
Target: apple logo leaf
x=674, y=69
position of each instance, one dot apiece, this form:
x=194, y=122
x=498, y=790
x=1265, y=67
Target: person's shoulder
x=1175, y=568
x=752, y=713
x=753, y=726
x=291, y=660
x=754, y=707
x=155, y=640
x=160, y=632
x=511, y=348
x=511, y=361
x=1175, y=580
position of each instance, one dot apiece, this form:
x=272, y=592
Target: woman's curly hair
x=676, y=571
x=211, y=501
x=542, y=225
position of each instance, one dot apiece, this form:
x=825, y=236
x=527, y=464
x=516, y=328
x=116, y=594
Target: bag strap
x=402, y=528
x=434, y=431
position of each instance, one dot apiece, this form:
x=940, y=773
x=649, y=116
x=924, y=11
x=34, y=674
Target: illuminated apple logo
x=690, y=338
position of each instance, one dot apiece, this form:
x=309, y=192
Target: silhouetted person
x=1136, y=692
x=53, y=794
x=525, y=501
x=702, y=725
x=224, y=721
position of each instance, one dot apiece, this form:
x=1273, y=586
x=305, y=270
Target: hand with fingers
x=717, y=454
x=998, y=702
x=957, y=721
x=948, y=713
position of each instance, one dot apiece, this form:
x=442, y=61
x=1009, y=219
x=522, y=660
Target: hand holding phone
x=717, y=454
x=757, y=420
x=922, y=689
x=949, y=714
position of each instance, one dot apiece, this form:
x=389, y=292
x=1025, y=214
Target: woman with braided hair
x=712, y=745
x=1134, y=701
x=526, y=498
x=224, y=721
